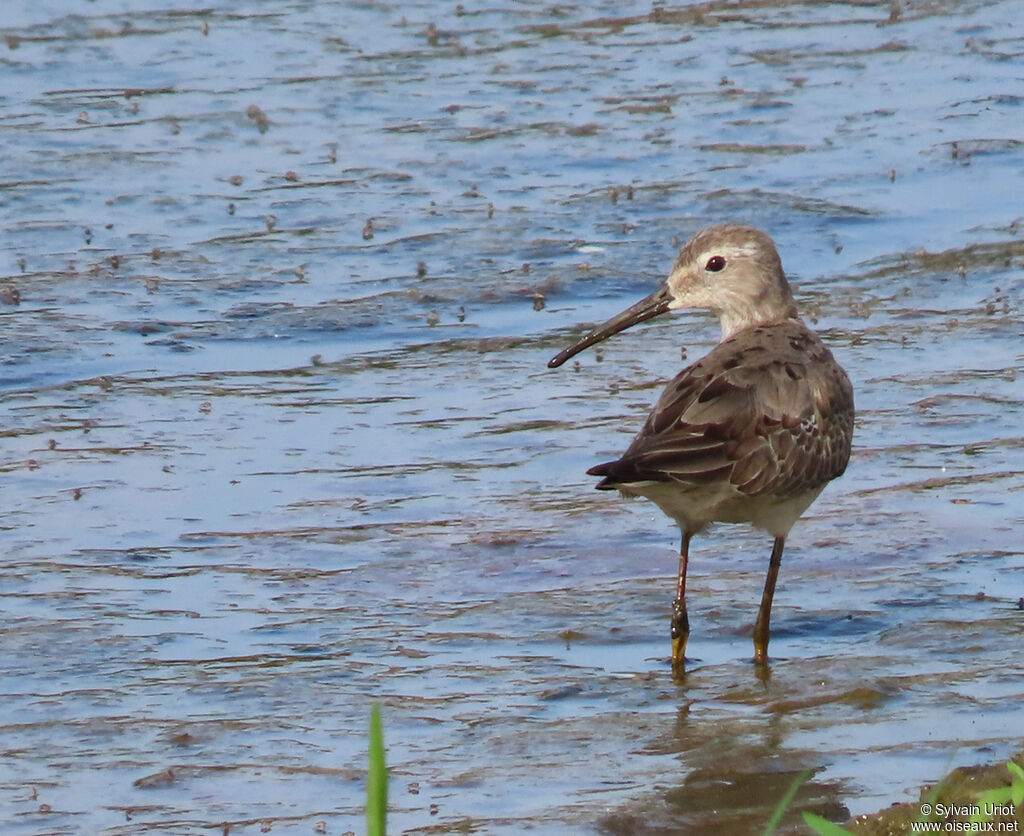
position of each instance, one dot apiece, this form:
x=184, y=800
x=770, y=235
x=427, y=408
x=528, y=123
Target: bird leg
x=680, y=621
x=762, y=631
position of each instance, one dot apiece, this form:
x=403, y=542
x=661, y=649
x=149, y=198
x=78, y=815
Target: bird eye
x=715, y=263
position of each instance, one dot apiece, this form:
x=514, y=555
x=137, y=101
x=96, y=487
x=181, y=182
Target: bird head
x=730, y=269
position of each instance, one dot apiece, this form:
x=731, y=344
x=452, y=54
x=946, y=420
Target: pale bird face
x=725, y=268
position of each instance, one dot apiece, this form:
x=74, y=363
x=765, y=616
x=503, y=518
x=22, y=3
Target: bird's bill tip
x=654, y=305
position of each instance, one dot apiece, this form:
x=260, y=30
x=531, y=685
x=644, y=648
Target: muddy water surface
x=278, y=283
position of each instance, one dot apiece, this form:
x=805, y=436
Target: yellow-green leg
x=762, y=629
x=680, y=620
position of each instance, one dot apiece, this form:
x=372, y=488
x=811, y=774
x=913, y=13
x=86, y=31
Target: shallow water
x=278, y=283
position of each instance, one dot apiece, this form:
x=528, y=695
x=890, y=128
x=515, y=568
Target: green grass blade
x=823, y=827
x=1017, y=784
x=784, y=802
x=376, y=780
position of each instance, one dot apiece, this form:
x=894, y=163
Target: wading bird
x=751, y=432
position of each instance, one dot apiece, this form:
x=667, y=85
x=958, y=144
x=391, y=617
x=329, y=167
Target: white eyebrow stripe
x=731, y=250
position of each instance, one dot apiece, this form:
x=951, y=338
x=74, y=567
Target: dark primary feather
x=768, y=409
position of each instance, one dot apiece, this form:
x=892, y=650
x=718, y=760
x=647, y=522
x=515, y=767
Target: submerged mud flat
x=278, y=289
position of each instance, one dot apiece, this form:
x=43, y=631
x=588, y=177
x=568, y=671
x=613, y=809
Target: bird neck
x=751, y=313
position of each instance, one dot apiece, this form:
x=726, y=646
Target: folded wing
x=762, y=410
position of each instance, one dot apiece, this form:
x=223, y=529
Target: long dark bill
x=654, y=305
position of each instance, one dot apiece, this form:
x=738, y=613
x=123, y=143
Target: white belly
x=694, y=508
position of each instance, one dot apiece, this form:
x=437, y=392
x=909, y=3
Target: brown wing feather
x=769, y=409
